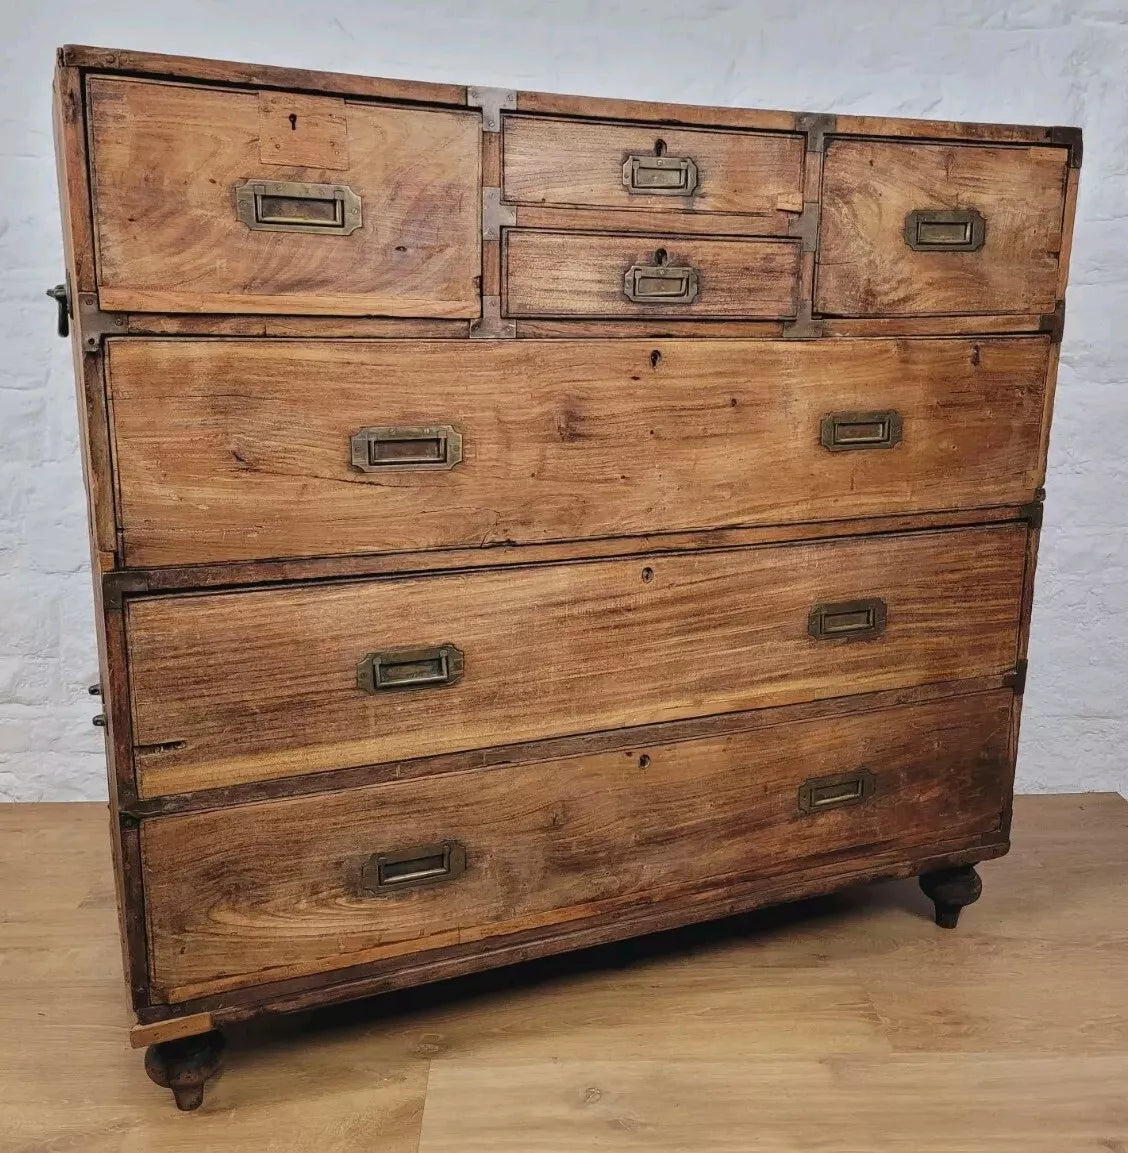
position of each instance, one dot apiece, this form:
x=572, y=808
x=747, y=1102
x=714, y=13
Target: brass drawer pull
x=290, y=206
x=659, y=175
x=401, y=447
x=661, y=283
x=848, y=620
x=960, y=231
x=836, y=792
x=843, y=431
x=410, y=668
x=385, y=874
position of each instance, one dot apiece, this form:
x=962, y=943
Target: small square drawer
x=911, y=229
x=231, y=200
x=584, y=274
x=581, y=164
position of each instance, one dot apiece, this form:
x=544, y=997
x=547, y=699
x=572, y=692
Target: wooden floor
x=846, y=1023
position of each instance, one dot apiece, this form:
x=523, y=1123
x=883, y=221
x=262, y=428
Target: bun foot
x=951, y=889
x=185, y=1065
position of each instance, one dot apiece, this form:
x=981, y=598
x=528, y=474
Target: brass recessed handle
x=291, y=206
x=661, y=282
x=659, y=175
x=414, y=668
x=962, y=230
x=845, y=431
x=836, y=792
x=385, y=874
x=419, y=446
x=848, y=620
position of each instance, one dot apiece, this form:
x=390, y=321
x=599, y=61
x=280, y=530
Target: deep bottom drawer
x=281, y=888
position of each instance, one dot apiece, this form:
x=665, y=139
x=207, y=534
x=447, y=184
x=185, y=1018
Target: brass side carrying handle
x=385, y=874
x=659, y=175
x=415, y=668
x=416, y=446
x=848, y=620
x=661, y=282
x=290, y=206
x=836, y=792
x=844, y=431
x=963, y=230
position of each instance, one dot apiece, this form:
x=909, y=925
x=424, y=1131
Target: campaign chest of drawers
x=523, y=521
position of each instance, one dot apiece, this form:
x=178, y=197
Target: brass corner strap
x=1066, y=136
x=492, y=102
x=818, y=126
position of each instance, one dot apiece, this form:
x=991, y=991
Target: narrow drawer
x=223, y=453
x=281, y=888
x=923, y=229
x=576, y=163
x=564, y=274
x=229, y=200
x=248, y=685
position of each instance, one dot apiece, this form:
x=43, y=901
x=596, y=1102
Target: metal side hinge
x=495, y=215
x=1018, y=679
x=1065, y=136
x=1054, y=322
x=93, y=323
x=490, y=325
x=817, y=126
x=492, y=102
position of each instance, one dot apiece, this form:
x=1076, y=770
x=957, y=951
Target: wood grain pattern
x=659, y=219
x=869, y=187
x=581, y=274
x=166, y=159
x=562, y=440
x=278, y=891
x=566, y=162
x=242, y=686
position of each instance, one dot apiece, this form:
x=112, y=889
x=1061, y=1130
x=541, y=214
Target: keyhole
x=293, y=122
x=659, y=147
x=655, y=359
x=661, y=256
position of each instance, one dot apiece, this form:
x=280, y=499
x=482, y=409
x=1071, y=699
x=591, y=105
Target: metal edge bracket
x=495, y=215
x=1054, y=322
x=1034, y=512
x=817, y=126
x=1018, y=677
x=805, y=226
x=492, y=102
x=804, y=326
x=1066, y=136
x=490, y=325
x=93, y=323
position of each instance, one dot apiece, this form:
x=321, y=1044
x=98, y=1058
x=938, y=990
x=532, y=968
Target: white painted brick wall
x=1045, y=63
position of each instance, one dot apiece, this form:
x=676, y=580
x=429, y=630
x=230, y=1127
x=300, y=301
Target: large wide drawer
x=229, y=200
x=281, y=888
x=247, y=685
x=910, y=229
x=562, y=274
x=244, y=449
x=585, y=164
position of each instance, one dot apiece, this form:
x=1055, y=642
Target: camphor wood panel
x=865, y=265
x=221, y=456
x=581, y=274
x=250, y=685
x=165, y=162
x=573, y=163
x=273, y=889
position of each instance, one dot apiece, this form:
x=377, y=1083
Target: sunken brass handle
x=660, y=175
x=963, y=230
x=848, y=620
x=384, y=874
x=661, y=283
x=836, y=792
x=416, y=668
x=843, y=431
x=405, y=447
x=290, y=206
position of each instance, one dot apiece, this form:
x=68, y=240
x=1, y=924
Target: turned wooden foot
x=184, y=1065
x=951, y=889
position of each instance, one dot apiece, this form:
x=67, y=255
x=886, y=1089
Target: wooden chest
x=524, y=521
